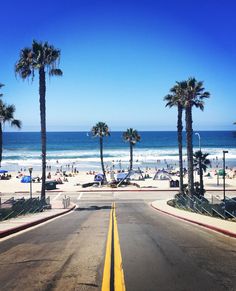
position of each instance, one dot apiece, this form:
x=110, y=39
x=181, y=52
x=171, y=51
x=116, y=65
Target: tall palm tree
x=6, y=116
x=201, y=162
x=176, y=99
x=101, y=130
x=131, y=135
x=194, y=95
x=43, y=58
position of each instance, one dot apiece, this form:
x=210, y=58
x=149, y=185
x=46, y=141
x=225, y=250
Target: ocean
x=156, y=149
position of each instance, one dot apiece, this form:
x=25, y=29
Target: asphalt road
x=162, y=253
x=64, y=254
x=159, y=252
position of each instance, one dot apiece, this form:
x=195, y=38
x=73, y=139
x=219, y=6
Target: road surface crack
x=88, y=284
x=30, y=261
x=58, y=275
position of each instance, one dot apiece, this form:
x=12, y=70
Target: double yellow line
x=113, y=275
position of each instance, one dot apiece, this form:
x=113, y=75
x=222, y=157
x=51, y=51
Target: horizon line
x=87, y=131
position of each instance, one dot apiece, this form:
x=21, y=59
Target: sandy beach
x=73, y=182
x=77, y=154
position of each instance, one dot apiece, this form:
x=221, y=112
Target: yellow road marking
x=107, y=264
x=119, y=282
x=119, y=273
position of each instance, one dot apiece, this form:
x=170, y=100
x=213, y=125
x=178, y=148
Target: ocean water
x=156, y=149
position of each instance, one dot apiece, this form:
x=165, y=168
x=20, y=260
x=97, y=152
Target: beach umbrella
x=121, y=176
x=25, y=179
x=3, y=171
x=221, y=172
x=99, y=178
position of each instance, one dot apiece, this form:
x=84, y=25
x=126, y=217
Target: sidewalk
x=13, y=225
x=216, y=224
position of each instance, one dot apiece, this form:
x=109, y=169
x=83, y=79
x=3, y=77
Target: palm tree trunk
x=1, y=144
x=42, y=102
x=180, y=145
x=189, y=133
x=102, y=163
x=131, y=156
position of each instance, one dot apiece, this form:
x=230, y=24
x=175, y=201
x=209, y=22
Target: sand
x=75, y=181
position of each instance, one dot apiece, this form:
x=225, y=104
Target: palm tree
x=43, y=58
x=6, y=116
x=100, y=130
x=176, y=99
x=194, y=95
x=201, y=162
x=131, y=135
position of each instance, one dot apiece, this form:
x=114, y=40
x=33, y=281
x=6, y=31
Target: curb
x=139, y=190
x=123, y=190
x=13, y=230
x=103, y=190
x=117, y=190
x=47, y=191
x=220, y=230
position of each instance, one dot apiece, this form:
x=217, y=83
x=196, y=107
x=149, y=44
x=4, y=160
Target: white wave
x=153, y=155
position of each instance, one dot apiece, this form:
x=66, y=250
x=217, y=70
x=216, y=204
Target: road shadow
x=92, y=208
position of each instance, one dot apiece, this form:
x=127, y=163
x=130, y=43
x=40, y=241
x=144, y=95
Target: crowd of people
x=5, y=177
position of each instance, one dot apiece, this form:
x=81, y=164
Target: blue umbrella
x=121, y=176
x=3, y=171
x=99, y=178
x=25, y=179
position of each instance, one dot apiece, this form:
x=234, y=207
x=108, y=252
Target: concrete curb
x=124, y=190
x=13, y=230
x=140, y=190
x=220, y=230
x=102, y=190
x=117, y=190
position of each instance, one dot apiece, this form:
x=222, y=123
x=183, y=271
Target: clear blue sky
x=120, y=58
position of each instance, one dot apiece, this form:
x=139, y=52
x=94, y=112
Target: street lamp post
x=30, y=171
x=199, y=139
x=224, y=152
x=218, y=182
x=199, y=162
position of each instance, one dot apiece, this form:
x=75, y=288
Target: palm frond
x=205, y=162
x=131, y=135
x=1, y=85
x=24, y=65
x=16, y=123
x=55, y=72
x=177, y=96
x=100, y=129
x=195, y=93
x=7, y=114
x=41, y=54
